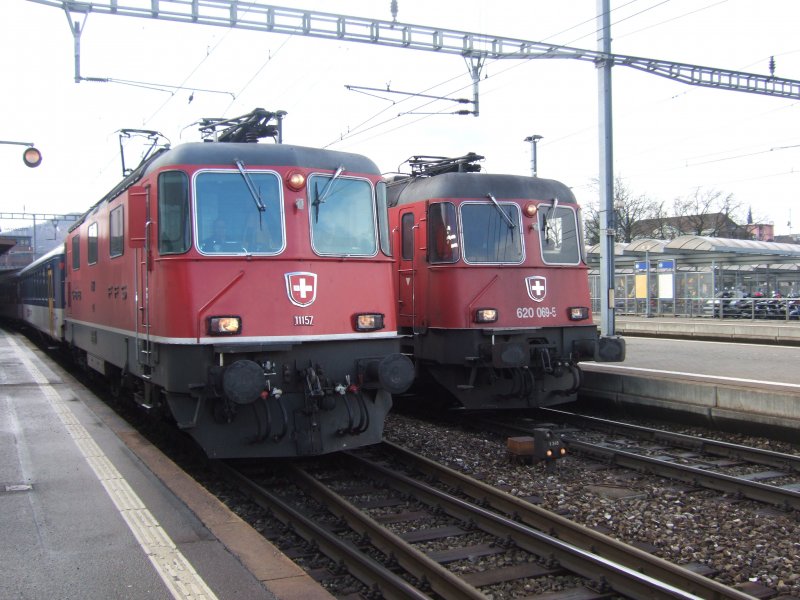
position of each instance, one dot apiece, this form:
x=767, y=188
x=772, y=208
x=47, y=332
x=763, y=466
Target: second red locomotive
x=493, y=286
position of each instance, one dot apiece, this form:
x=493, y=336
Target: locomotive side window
x=491, y=233
x=558, y=234
x=116, y=232
x=342, y=216
x=91, y=251
x=229, y=218
x=76, y=252
x=383, y=219
x=407, y=233
x=442, y=238
x=173, y=213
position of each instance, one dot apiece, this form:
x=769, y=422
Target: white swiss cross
x=301, y=287
x=537, y=287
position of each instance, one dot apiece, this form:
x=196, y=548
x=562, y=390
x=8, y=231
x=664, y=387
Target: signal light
x=368, y=322
x=578, y=313
x=295, y=181
x=486, y=315
x=32, y=157
x=547, y=445
x=224, y=325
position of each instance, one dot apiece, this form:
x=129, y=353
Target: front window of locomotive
x=559, y=235
x=342, y=213
x=492, y=232
x=232, y=218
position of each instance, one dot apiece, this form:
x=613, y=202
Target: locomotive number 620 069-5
x=540, y=312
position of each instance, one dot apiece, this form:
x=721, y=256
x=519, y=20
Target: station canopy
x=699, y=251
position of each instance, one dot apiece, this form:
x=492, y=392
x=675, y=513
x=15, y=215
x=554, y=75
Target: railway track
x=407, y=527
x=745, y=472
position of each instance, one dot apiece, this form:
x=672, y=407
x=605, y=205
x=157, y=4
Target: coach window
x=173, y=213
x=491, y=232
x=76, y=252
x=342, y=214
x=116, y=232
x=407, y=233
x=558, y=234
x=91, y=250
x=442, y=238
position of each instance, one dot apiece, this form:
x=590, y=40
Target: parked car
x=728, y=303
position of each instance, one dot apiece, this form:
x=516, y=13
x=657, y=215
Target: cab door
x=407, y=269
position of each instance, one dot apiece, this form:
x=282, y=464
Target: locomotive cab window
x=558, y=234
x=342, y=213
x=491, y=232
x=238, y=215
x=383, y=219
x=91, y=239
x=173, y=213
x=407, y=236
x=76, y=252
x=442, y=237
x=116, y=233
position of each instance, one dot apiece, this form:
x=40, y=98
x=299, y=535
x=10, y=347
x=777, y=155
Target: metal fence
x=704, y=293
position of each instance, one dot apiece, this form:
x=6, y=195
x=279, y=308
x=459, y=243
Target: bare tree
x=591, y=222
x=629, y=209
x=709, y=213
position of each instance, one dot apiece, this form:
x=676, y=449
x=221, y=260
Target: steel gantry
x=475, y=48
x=256, y=16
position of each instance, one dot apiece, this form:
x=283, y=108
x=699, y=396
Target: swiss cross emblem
x=537, y=287
x=301, y=288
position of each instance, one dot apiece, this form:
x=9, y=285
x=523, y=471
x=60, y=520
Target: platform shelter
x=685, y=275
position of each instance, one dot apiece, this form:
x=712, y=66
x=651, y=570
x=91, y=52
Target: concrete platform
x=741, y=330
x=91, y=510
x=745, y=374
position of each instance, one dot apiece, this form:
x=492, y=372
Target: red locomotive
x=247, y=289
x=493, y=286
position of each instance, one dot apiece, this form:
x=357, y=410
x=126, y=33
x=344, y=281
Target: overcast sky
x=670, y=139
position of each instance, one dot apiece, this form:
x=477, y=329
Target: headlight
x=295, y=181
x=578, y=313
x=486, y=315
x=224, y=325
x=530, y=210
x=368, y=322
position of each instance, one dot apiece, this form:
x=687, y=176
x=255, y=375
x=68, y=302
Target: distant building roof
x=702, y=250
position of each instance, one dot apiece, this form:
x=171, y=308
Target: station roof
x=697, y=250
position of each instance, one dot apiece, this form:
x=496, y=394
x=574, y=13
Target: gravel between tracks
x=741, y=540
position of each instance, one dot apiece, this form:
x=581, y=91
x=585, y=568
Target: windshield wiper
x=250, y=186
x=326, y=190
x=502, y=212
x=545, y=217
x=320, y=196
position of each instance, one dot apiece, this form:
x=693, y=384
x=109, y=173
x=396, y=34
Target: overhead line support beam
x=290, y=21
